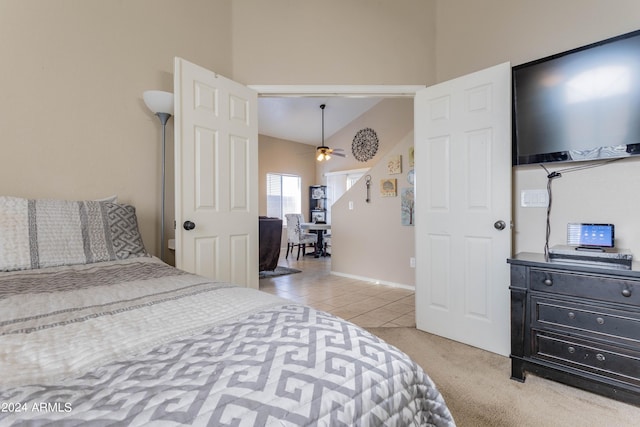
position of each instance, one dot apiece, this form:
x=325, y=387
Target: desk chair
x=296, y=237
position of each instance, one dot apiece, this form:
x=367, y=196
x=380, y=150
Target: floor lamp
x=161, y=104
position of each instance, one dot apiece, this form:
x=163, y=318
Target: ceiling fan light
x=323, y=151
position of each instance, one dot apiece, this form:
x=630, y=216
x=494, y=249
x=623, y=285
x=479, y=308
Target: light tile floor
x=363, y=303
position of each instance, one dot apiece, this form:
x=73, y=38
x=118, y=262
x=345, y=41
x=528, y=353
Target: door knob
x=188, y=225
x=500, y=225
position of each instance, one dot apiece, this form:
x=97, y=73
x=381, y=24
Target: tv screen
x=583, y=104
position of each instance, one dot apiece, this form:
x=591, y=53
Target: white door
x=216, y=156
x=463, y=191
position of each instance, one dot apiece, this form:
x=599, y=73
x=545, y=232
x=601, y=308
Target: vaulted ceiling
x=300, y=118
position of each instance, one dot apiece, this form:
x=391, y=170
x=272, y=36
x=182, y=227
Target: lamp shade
x=158, y=101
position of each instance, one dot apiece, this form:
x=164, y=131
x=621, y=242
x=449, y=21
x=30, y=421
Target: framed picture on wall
x=407, y=206
x=394, y=165
x=388, y=187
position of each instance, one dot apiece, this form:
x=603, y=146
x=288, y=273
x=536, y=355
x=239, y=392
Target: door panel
x=463, y=185
x=437, y=168
x=240, y=174
x=206, y=256
x=477, y=286
x=216, y=175
x=206, y=146
x=478, y=147
x=439, y=297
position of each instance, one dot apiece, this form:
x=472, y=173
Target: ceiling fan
x=323, y=152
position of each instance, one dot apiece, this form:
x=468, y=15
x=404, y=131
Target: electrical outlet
x=350, y=205
x=412, y=262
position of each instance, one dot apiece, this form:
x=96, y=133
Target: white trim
x=391, y=91
x=375, y=281
x=347, y=172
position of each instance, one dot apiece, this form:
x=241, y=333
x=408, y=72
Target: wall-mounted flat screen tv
x=583, y=104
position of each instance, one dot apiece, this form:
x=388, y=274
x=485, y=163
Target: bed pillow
x=47, y=233
x=111, y=199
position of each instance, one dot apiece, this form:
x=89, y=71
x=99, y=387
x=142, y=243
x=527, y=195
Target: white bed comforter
x=137, y=342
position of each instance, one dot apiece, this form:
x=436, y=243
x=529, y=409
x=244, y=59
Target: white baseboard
x=375, y=281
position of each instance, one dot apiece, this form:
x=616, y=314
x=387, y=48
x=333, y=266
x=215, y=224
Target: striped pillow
x=47, y=233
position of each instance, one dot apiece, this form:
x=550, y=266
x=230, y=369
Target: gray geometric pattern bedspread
x=285, y=365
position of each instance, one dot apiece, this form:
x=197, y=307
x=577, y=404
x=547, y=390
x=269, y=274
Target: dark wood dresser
x=578, y=324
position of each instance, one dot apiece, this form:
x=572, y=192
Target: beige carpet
x=477, y=387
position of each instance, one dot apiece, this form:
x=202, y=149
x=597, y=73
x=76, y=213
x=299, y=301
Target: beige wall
x=72, y=120
x=475, y=34
x=369, y=241
x=285, y=157
x=334, y=41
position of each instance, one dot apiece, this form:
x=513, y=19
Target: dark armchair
x=270, y=238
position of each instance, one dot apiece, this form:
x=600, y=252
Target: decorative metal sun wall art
x=365, y=144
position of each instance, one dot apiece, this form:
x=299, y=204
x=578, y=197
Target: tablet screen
x=595, y=235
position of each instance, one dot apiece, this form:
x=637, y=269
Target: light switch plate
x=534, y=199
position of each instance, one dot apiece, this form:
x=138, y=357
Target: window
x=339, y=183
x=352, y=178
x=284, y=195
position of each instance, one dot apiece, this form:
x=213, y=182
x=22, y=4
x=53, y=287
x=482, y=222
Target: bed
x=94, y=330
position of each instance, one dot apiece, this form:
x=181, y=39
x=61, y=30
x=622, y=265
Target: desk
x=319, y=229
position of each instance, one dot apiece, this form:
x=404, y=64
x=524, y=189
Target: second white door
x=216, y=138
x=463, y=206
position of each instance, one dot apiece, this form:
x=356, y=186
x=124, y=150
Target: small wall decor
x=394, y=165
x=411, y=156
x=365, y=144
x=367, y=181
x=388, y=187
x=407, y=206
x=411, y=177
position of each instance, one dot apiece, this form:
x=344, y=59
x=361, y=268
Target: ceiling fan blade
x=339, y=154
x=338, y=149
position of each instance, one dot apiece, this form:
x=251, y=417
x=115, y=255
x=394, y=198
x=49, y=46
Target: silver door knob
x=188, y=225
x=500, y=225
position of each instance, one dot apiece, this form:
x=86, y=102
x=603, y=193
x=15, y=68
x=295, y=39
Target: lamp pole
x=164, y=118
x=162, y=105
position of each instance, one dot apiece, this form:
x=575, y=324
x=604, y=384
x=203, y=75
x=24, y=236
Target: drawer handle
x=571, y=350
x=572, y=315
x=548, y=282
x=600, y=357
x=600, y=321
x=626, y=293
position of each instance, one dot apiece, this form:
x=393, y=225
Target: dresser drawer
x=585, y=285
x=619, y=325
x=586, y=356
